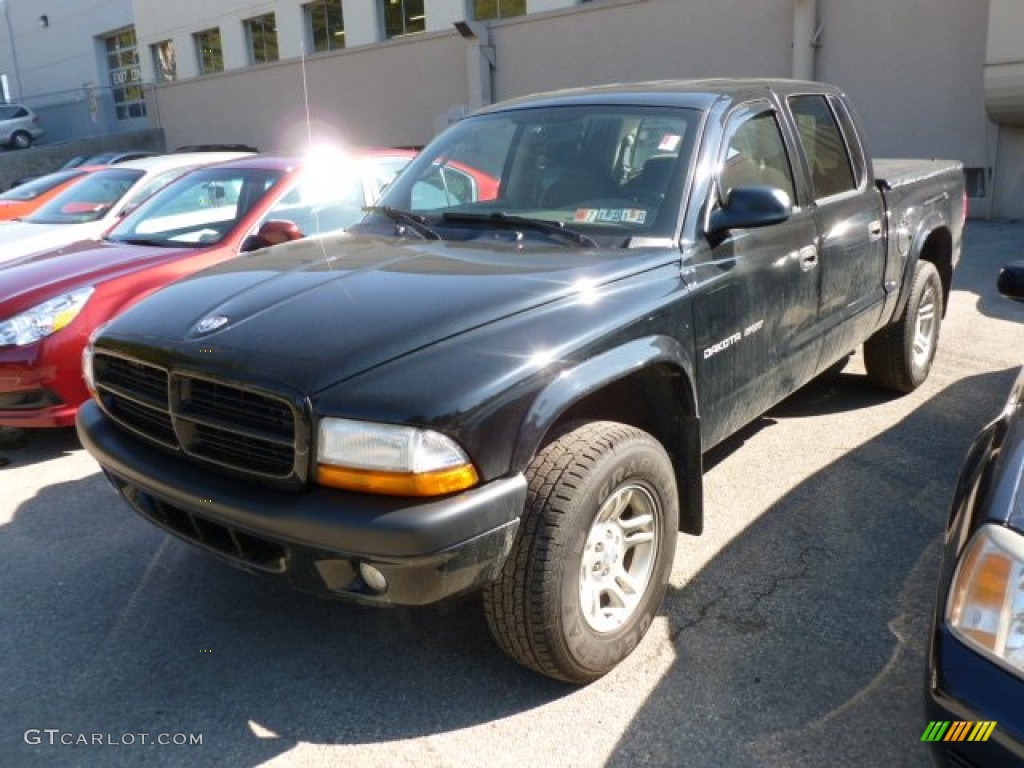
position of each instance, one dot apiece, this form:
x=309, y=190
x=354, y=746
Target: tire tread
x=887, y=356
x=556, y=472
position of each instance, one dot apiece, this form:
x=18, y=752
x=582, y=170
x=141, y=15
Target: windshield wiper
x=139, y=241
x=419, y=224
x=511, y=221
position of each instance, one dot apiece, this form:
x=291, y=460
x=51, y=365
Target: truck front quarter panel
x=517, y=377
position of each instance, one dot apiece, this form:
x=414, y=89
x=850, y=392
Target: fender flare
x=929, y=224
x=574, y=384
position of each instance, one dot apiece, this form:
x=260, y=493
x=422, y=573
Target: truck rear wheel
x=900, y=356
x=592, y=558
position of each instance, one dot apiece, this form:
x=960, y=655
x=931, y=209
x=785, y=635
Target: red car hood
x=31, y=279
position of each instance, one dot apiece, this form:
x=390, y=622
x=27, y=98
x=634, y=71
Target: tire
x=21, y=140
x=592, y=558
x=899, y=357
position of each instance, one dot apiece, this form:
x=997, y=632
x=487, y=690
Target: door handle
x=808, y=258
x=875, y=231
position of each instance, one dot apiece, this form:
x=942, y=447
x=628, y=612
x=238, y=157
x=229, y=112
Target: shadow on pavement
x=30, y=446
x=771, y=613
x=112, y=627
x=834, y=393
x=1002, y=239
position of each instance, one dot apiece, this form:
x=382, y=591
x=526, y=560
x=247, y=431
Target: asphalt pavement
x=793, y=634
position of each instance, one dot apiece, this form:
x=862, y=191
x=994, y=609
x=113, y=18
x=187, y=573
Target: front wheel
x=21, y=140
x=592, y=558
x=899, y=357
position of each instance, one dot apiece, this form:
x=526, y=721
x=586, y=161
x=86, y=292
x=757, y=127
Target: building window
x=403, y=17
x=125, y=74
x=325, y=26
x=164, y=64
x=498, y=9
x=261, y=33
x=976, y=181
x=210, y=51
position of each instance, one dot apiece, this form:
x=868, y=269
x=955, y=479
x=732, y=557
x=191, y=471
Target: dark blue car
x=975, y=697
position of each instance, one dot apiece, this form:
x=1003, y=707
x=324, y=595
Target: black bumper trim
x=1000, y=751
x=322, y=519
x=407, y=580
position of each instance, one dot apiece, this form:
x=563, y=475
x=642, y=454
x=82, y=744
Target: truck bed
x=899, y=172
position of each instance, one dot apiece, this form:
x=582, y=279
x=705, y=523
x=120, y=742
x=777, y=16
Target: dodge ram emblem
x=211, y=323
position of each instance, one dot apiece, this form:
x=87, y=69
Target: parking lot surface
x=793, y=633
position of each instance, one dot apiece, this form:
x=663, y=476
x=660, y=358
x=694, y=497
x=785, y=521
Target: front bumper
x=320, y=540
x=41, y=384
x=964, y=686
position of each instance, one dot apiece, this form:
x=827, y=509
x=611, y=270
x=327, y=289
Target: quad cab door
x=850, y=215
x=756, y=304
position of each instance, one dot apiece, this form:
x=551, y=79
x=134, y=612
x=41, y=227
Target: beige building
x=75, y=64
x=930, y=77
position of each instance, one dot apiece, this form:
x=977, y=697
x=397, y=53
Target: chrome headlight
x=985, y=609
x=43, y=319
x=389, y=459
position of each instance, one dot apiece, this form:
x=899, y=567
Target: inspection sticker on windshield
x=610, y=215
x=670, y=142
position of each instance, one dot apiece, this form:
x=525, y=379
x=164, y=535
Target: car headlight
x=43, y=319
x=392, y=460
x=985, y=609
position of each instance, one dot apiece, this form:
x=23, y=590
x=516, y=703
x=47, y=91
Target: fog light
x=374, y=579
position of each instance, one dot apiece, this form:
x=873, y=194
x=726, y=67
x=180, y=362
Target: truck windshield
x=608, y=173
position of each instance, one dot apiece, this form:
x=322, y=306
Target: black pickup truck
x=504, y=378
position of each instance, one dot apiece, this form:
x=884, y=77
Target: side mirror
x=754, y=206
x=273, y=232
x=1011, y=280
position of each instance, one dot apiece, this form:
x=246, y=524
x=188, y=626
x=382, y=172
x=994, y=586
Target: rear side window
x=823, y=145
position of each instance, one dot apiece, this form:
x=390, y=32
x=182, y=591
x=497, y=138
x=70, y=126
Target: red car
x=50, y=302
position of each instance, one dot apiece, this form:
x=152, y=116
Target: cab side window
x=824, y=146
x=756, y=154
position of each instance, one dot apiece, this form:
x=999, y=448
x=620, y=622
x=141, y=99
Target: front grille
x=132, y=378
x=217, y=422
x=225, y=447
x=246, y=409
x=155, y=423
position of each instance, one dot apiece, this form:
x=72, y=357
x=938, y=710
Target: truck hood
x=316, y=312
x=37, y=277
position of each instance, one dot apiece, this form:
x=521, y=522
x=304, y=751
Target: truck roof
x=696, y=94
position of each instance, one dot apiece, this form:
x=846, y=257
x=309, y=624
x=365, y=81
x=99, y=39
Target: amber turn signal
x=436, y=483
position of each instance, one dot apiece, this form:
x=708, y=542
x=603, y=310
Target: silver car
x=19, y=126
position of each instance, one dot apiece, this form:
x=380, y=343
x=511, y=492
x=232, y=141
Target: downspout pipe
x=480, y=62
x=14, y=50
x=805, y=25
